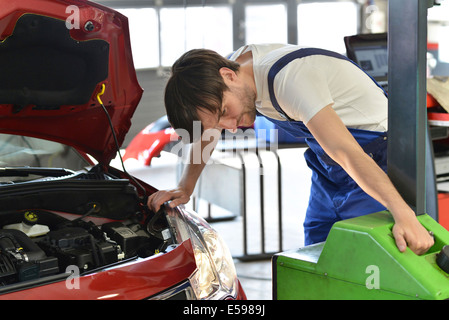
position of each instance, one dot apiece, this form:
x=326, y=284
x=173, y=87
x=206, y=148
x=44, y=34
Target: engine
x=21, y=259
x=31, y=250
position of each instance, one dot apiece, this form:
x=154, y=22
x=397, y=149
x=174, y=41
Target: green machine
x=360, y=260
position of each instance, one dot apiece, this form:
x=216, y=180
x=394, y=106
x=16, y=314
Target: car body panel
x=136, y=280
x=83, y=125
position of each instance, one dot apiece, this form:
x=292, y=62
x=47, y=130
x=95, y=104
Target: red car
x=71, y=226
x=150, y=141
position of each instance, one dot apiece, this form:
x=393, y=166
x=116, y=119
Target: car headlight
x=215, y=277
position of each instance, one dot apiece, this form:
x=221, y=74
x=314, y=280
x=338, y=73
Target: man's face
x=238, y=109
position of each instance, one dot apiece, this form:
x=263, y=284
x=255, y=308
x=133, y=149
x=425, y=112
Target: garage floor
x=253, y=271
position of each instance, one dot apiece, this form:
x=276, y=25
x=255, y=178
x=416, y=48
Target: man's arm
x=340, y=145
x=200, y=153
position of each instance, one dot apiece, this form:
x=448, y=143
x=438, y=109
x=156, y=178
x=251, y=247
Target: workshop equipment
x=360, y=260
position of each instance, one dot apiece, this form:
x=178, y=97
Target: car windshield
x=22, y=151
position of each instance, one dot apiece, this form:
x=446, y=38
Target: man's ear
x=227, y=74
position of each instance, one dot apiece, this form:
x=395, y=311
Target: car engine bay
x=84, y=220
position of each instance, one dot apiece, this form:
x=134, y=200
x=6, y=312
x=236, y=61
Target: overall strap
x=297, y=54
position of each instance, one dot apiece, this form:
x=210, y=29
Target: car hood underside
x=52, y=73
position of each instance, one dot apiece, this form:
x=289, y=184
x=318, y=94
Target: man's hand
x=177, y=196
x=412, y=234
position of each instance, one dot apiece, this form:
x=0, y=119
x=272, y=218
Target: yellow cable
x=99, y=94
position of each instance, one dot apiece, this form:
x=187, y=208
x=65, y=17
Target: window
x=266, y=23
x=17, y=151
x=439, y=12
x=438, y=17
x=325, y=24
x=444, y=45
x=188, y=28
x=144, y=33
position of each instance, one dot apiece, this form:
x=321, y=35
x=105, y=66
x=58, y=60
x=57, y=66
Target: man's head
x=196, y=90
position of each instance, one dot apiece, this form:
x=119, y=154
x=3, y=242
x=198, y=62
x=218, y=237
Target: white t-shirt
x=306, y=85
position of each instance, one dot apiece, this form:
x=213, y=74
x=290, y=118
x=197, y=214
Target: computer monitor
x=370, y=52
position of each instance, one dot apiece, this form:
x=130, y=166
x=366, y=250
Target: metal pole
x=262, y=202
x=407, y=125
x=281, y=243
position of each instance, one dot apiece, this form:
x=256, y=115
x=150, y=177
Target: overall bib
x=334, y=195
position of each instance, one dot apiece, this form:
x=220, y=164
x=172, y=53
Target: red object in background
x=443, y=210
x=431, y=101
x=438, y=116
x=147, y=144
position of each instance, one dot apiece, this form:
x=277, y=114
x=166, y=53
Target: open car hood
x=55, y=57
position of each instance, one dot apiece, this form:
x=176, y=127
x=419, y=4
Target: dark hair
x=195, y=83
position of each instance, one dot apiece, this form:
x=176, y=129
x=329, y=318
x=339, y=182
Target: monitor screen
x=373, y=60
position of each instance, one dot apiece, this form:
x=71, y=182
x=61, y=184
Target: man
x=310, y=93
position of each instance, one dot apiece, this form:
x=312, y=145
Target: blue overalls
x=334, y=195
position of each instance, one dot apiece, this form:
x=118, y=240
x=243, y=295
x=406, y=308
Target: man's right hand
x=177, y=196
x=192, y=171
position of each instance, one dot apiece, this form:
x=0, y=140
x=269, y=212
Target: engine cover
x=21, y=259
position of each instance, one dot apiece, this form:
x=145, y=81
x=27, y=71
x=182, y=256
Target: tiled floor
x=254, y=274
